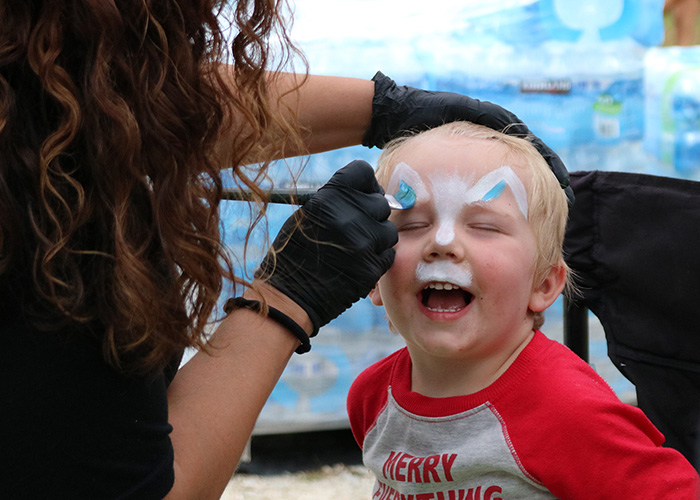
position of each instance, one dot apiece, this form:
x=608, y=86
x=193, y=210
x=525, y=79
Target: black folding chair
x=633, y=241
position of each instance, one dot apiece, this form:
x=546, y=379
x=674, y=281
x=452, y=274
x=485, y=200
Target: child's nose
x=443, y=245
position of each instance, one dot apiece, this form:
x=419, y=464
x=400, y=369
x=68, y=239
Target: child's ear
x=375, y=296
x=547, y=292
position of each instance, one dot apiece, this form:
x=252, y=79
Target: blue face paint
x=495, y=191
x=404, y=198
x=405, y=195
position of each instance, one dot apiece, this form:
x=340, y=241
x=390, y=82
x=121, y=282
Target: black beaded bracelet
x=276, y=315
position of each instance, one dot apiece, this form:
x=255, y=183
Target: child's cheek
x=405, y=262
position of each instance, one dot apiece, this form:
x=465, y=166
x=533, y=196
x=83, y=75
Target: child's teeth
x=440, y=309
x=443, y=286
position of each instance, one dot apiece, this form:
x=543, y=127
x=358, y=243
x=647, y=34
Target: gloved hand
x=332, y=251
x=400, y=109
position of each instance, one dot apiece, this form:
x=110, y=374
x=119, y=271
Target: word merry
x=404, y=467
x=386, y=492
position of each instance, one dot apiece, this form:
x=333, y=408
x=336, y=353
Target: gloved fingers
x=386, y=236
x=374, y=205
x=374, y=269
x=385, y=260
x=498, y=118
x=399, y=109
x=290, y=226
x=359, y=175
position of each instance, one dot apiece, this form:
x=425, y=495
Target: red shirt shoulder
x=367, y=396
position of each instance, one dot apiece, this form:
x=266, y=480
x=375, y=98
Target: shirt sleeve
x=575, y=437
x=367, y=397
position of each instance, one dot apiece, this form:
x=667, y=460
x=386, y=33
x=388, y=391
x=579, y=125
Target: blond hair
x=547, y=203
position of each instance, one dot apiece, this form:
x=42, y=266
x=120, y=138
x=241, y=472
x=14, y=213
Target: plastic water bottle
x=672, y=108
x=532, y=22
x=680, y=115
x=596, y=21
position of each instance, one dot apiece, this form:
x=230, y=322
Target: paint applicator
x=404, y=198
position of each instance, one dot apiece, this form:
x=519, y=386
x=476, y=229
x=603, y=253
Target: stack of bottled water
x=573, y=71
x=672, y=109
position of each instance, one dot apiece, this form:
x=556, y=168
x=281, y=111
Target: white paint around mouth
x=444, y=271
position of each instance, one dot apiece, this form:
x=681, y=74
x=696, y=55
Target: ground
x=339, y=482
x=306, y=466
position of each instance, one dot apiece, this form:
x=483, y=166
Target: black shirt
x=70, y=425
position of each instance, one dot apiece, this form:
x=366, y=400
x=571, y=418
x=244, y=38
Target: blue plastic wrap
x=672, y=108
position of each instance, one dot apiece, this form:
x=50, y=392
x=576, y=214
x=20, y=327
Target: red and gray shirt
x=549, y=427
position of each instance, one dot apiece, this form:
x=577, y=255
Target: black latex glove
x=332, y=251
x=396, y=110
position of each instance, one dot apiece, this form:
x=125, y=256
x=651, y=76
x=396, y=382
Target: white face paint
x=491, y=185
x=402, y=172
x=451, y=192
x=444, y=271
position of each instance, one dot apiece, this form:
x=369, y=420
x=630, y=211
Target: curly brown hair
x=109, y=192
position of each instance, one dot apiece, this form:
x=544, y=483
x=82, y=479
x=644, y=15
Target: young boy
x=480, y=405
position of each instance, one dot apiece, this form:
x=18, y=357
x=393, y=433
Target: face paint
x=495, y=191
x=448, y=193
x=404, y=173
x=491, y=186
x=452, y=192
x=444, y=270
x=404, y=198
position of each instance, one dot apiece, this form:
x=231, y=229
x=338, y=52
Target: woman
x=115, y=120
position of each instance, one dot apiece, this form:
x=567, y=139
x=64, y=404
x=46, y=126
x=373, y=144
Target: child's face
x=462, y=280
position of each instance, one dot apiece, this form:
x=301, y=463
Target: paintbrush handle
x=283, y=196
x=291, y=196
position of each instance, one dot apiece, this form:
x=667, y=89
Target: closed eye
x=412, y=226
x=487, y=219
x=486, y=227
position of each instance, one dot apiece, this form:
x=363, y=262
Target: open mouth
x=445, y=297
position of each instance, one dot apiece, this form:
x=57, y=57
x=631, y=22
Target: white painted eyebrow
x=489, y=181
x=403, y=171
